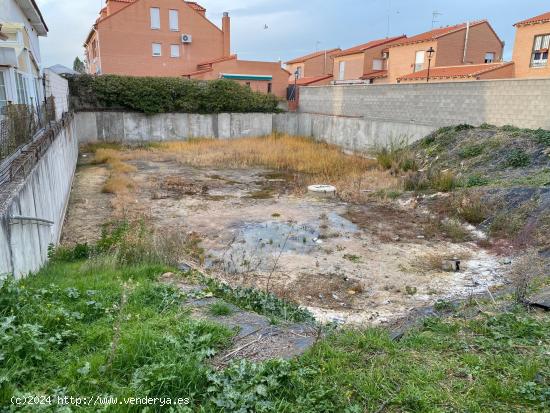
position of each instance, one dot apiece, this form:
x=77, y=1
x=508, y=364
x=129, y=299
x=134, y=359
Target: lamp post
x=430, y=51
x=296, y=76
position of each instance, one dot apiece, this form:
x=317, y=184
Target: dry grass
x=282, y=153
x=117, y=184
x=314, y=162
x=119, y=181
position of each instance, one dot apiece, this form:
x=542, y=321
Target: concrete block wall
x=57, y=87
x=519, y=102
x=44, y=194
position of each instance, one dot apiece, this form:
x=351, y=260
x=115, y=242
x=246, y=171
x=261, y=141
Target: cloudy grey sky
x=299, y=27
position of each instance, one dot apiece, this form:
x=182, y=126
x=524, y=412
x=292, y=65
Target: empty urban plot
x=242, y=211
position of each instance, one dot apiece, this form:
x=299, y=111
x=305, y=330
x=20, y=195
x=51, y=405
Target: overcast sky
x=299, y=27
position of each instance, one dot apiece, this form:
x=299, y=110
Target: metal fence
x=19, y=125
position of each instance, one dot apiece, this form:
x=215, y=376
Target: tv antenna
x=435, y=17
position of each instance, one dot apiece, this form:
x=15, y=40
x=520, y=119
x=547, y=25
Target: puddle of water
x=257, y=244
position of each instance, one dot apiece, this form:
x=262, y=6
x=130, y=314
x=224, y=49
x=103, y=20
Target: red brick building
x=172, y=38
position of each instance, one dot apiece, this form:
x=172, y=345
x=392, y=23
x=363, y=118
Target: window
x=155, y=18
x=157, y=49
x=174, y=20
x=269, y=87
x=419, y=61
x=377, y=64
x=175, y=50
x=3, y=94
x=540, y=51
x=299, y=71
x=342, y=73
x=489, y=57
x=21, y=89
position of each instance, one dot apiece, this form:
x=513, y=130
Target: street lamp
x=296, y=76
x=430, y=51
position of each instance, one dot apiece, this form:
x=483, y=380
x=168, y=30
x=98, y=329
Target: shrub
x=463, y=126
x=476, y=180
x=454, y=230
x=396, y=155
x=517, y=158
x=471, y=151
x=541, y=136
x=159, y=95
x=510, y=128
x=443, y=181
x=472, y=209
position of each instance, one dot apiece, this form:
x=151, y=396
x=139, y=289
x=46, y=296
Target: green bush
x=542, y=136
x=165, y=94
x=476, y=180
x=517, y=158
x=471, y=151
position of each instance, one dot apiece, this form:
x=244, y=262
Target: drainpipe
x=466, y=42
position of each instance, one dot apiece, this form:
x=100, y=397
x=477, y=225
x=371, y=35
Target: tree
x=78, y=65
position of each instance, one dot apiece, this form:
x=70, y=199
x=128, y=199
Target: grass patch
x=441, y=181
x=220, y=309
x=100, y=327
x=454, y=229
x=471, y=151
x=396, y=155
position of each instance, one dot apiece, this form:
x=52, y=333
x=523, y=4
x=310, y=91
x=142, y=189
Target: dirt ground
x=356, y=264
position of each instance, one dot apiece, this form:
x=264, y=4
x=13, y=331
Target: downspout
x=466, y=42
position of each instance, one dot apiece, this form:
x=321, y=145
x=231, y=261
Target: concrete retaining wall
x=135, y=127
x=520, y=102
x=351, y=133
x=44, y=194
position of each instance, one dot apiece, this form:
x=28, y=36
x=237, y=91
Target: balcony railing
x=20, y=123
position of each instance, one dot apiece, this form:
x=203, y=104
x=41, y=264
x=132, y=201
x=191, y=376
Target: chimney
x=226, y=30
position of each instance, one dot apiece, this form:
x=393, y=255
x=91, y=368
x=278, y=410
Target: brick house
x=463, y=44
x=531, y=47
x=363, y=62
x=313, y=69
x=172, y=38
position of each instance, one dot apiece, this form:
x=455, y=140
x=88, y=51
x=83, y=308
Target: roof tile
x=373, y=43
x=454, y=72
x=542, y=18
x=311, y=56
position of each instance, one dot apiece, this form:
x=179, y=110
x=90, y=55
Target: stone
x=184, y=267
x=451, y=265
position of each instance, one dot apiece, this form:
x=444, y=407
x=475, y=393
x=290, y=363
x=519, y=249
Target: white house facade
x=20, y=62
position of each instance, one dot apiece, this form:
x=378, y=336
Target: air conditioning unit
x=186, y=38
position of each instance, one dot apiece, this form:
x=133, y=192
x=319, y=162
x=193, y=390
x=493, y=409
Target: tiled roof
x=543, y=18
x=304, y=81
x=196, y=6
x=454, y=72
x=375, y=74
x=204, y=65
x=311, y=56
x=436, y=33
x=373, y=43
